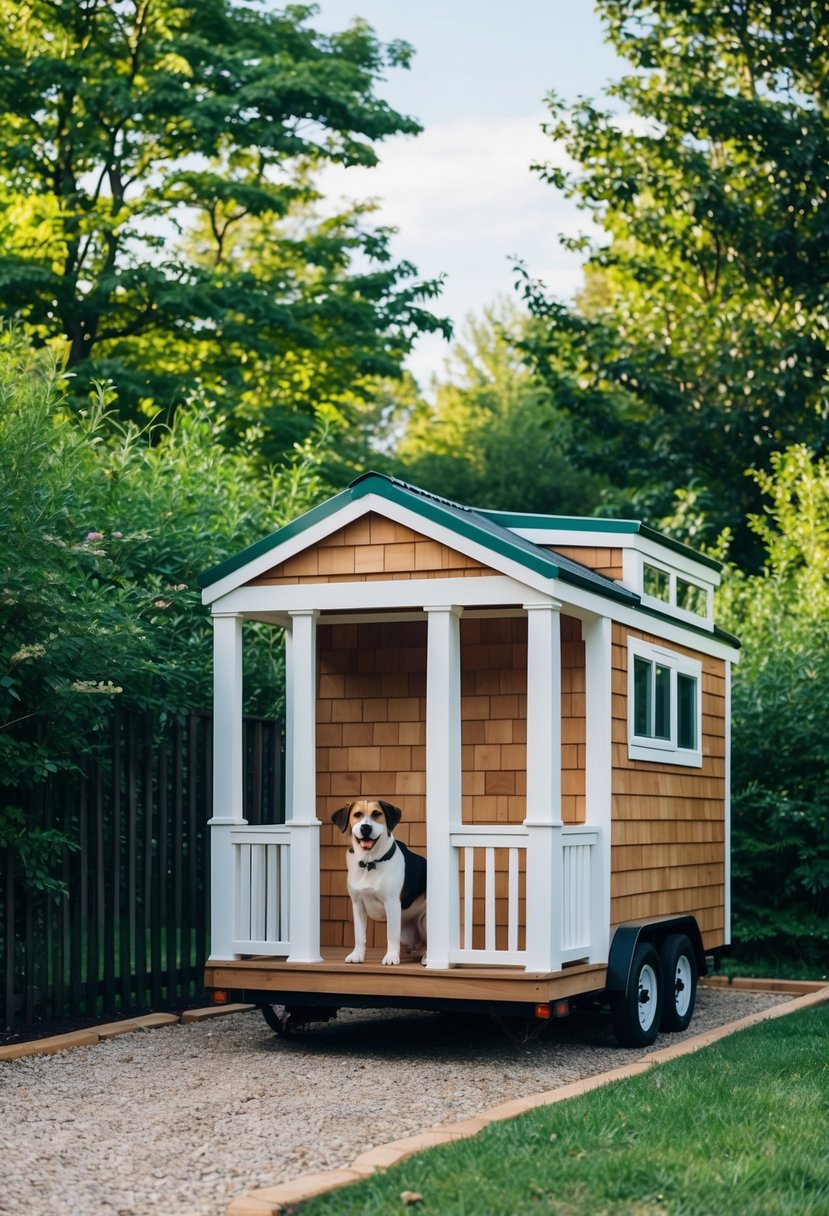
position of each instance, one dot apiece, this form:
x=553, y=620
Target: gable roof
x=465, y=522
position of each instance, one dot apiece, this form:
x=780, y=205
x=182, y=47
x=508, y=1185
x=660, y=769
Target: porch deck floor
x=408, y=980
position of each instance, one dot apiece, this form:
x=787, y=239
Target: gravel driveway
x=179, y=1120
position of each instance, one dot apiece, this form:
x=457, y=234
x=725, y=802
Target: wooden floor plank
x=333, y=976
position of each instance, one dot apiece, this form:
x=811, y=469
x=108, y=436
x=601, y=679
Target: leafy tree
x=700, y=345
x=157, y=163
x=102, y=537
x=780, y=711
x=494, y=435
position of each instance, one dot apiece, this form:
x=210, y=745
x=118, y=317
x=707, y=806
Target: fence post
x=10, y=938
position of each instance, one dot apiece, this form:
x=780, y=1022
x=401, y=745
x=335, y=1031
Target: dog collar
x=369, y=865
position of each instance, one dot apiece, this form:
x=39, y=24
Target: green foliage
x=38, y=851
x=494, y=436
x=699, y=347
x=157, y=194
x=780, y=709
x=102, y=537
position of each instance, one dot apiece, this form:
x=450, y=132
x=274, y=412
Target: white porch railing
x=471, y=845
x=491, y=909
x=492, y=888
x=580, y=889
x=262, y=886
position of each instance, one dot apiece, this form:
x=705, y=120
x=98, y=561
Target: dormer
x=668, y=576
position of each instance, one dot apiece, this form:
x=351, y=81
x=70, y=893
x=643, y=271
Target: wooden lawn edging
x=92, y=1035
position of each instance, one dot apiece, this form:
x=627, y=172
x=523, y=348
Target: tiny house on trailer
x=547, y=700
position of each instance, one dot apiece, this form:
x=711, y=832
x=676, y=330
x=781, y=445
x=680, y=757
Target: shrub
x=103, y=532
x=780, y=711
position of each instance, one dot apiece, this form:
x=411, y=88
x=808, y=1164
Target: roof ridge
x=413, y=489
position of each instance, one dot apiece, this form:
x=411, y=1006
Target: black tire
x=289, y=1020
x=637, y=1013
x=278, y=1019
x=679, y=968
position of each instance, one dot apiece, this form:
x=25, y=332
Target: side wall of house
x=668, y=836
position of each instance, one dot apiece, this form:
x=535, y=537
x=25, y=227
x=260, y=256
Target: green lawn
x=739, y=1129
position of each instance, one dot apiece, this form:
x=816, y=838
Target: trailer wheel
x=279, y=1020
x=637, y=1012
x=288, y=1020
x=679, y=967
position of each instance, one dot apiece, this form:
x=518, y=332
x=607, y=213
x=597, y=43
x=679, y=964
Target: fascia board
x=277, y=602
x=587, y=605
x=296, y=543
x=374, y=596
x=658, y=626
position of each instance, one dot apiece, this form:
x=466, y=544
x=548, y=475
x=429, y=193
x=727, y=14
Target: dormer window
x=678, y=593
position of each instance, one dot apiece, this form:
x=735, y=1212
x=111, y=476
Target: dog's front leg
x=358, y=954
x=393, y=914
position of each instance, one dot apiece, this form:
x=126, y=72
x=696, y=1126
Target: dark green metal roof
x=488, y=528
x=575, y=523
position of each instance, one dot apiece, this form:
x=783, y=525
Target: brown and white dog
x=386, y=881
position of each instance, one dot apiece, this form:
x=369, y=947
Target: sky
x=461, y=194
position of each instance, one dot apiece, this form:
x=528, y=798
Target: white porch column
x=443, y=779
x=598, y=661
x=543, y=822
x=227, y=779
x=301, y=811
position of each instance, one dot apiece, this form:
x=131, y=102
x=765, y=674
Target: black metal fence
x=131, y=932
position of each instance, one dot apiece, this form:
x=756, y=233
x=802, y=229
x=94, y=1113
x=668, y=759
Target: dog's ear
x=340, y=817
x=393, y=814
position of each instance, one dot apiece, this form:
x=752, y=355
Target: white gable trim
x=352, y=511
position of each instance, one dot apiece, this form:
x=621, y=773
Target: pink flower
x=117, y=535
x=94, y=536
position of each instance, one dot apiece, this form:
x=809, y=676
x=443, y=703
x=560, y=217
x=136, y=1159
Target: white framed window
x=664, y=705
x=680, y=594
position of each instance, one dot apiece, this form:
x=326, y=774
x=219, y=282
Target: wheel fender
x=630, y=933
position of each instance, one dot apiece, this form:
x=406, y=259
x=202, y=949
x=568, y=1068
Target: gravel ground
x=179, y=1120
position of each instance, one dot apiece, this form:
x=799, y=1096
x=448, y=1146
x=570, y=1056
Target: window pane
x=642, y=696
x=691, y=597
x=686, y=695
x=662, y=703
x=657, y=583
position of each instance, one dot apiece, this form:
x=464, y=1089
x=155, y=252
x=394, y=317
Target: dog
x=386, y=880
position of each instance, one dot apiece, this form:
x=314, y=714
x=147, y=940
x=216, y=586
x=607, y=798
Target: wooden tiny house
x=545, y=698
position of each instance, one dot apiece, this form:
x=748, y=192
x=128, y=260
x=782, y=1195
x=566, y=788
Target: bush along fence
x=130, y=931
